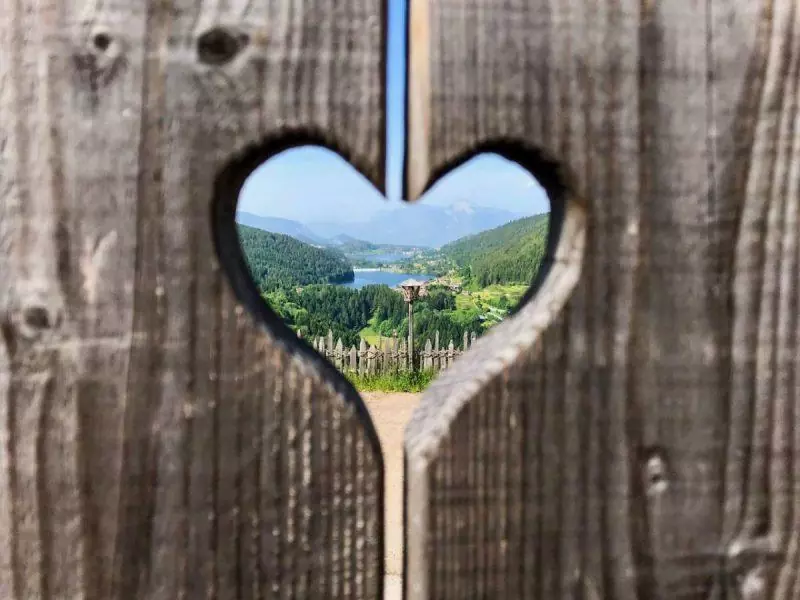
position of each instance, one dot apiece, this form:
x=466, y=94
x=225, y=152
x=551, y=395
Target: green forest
x=480, y=278
x=508, y=254
x=378, y=309
x=276, y=260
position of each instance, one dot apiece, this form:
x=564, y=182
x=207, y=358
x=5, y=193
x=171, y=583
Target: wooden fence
x=632, y=432
x=390, y=355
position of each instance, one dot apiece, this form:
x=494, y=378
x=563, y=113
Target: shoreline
x=389, y=270
x=377, y=270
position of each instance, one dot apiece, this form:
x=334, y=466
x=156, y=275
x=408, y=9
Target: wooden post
x=338, y=354
x=353, y=366
x=402, y=356
x=395, y=352
x=387, y=355
x=362, y=357
x=437, y=364
x=411, y=335
x=428, y=356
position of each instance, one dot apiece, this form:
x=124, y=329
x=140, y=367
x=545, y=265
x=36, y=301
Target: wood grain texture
x=640, y=441
x=157, y=442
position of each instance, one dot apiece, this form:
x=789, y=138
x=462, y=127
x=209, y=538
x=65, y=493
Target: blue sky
x=281, y=187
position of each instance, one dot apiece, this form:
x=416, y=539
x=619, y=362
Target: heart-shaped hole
x=320, y=253
x=348, y=270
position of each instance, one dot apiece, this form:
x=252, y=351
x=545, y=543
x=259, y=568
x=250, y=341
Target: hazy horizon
x=315, y=181
x=335, y=205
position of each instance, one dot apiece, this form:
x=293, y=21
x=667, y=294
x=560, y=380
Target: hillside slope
x=275, y=259
x=511, y=253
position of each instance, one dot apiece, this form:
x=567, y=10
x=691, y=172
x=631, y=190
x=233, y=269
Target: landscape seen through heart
x=340, y=264
x=328, y=251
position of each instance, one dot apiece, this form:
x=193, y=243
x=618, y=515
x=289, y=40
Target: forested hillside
x=277, y=260
x=511, y=253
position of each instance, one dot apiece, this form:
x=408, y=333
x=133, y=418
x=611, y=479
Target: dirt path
x=390, y=413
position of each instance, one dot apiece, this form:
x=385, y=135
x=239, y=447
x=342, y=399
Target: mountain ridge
x=421, y=225
x=426, y=226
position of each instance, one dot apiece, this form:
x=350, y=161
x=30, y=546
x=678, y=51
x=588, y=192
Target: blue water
x=376, y=277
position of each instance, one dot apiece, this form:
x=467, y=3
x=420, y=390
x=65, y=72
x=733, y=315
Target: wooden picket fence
x=390, y=355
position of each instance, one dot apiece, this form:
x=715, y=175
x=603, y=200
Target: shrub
x=404, y=381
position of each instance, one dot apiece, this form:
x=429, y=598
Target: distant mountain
x=511, y=253
x=420, y=225
x=277, y=225
x=333, y=230
x=275, y=259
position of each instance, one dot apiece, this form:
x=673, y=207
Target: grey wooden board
x=157, y=442
x=631, y=432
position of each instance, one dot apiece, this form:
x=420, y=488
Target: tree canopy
x=511, y=253
x=278, y=260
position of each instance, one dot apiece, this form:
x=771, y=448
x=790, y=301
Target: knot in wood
x=104, y=48
x=102, y=41
x=34, y=320
x=100, y=58
x=754, y=585
x=655, y=471
x=218, y=46
x=752, y=564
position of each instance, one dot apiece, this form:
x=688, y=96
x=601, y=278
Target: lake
x=378, y=277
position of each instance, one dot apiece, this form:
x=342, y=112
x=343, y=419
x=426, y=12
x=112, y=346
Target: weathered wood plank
x=762, y=502
x=159, y=441
x=660, y=450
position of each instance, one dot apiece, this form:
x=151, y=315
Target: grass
x=404, y=381
x=464, y=302
x=494, y=291
x=369, y=335
x=491, y=295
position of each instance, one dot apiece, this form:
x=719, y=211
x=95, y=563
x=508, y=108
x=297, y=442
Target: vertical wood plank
x=160, y=441
x=659, y=451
